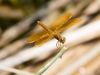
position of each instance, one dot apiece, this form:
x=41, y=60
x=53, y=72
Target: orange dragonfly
x=59, y=25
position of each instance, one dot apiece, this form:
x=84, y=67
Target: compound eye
x=63, y=40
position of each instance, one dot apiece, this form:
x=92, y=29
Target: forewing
x=36, y=36
x=43, y=39
x=60, y=21
x=70, y=23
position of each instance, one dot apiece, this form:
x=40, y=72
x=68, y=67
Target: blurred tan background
x=18, y=20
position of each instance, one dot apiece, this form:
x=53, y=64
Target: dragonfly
x=59, y=25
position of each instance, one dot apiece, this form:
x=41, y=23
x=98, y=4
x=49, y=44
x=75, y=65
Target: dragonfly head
x=63, y=40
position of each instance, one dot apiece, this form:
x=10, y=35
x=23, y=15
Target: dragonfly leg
x=59, y=45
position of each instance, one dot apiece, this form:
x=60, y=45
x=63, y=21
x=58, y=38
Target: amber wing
x=69, y=24
x=43, y=39
x=36, y=36
x=60, y=21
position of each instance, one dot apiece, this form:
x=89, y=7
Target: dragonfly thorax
x=59, y=37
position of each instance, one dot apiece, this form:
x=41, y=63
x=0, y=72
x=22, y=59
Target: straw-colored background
x=18, y=20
